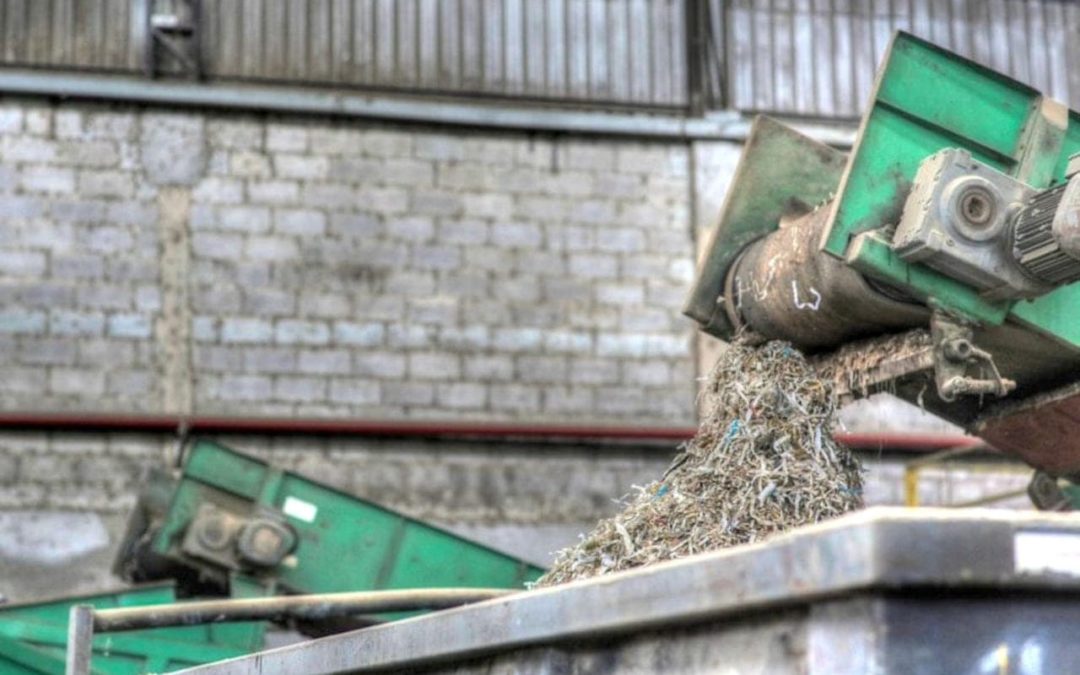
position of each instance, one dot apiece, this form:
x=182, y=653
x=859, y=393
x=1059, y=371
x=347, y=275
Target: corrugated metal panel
x=818, y=57
x=624, y=52
x=808, y=57
x=98, y=34
x=599, y=51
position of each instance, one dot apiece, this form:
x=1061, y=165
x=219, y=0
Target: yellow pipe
x=911, y=484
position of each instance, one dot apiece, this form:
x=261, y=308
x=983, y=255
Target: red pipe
x=203, y=424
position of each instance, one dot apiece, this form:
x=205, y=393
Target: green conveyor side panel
x=927, y=99
x=1070, y=145
x=239, y=474
x=345, y=543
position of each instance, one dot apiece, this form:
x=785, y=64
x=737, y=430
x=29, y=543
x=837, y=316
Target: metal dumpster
x=883, y=591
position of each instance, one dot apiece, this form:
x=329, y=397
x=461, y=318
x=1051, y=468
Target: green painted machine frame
x=33, y=636
x=925, y=99
x=345, y=543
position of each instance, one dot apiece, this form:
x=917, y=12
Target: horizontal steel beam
x=730, y=126
x=390, y=428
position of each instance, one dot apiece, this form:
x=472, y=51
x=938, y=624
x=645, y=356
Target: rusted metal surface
x=784, y=287
x=781, y=174
x=1044, y=430
x=865, y=367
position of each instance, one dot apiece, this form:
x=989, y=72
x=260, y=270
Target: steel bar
x=913, y=468
x=236, y=97
x=388, y=428
x=301, y=607
x=80, y=640
x=990, y=499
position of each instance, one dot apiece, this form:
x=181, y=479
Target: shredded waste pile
x=763, y=461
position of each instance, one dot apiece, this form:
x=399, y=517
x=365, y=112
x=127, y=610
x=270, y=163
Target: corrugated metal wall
x=101, y=34
x=623, y=52
x=818, y=57
x=808, y=57
x=608, y=51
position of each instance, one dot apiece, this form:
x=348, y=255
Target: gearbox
x=995, y=233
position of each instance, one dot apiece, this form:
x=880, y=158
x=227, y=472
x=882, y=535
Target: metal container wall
x=818, y=57
x=934, y=591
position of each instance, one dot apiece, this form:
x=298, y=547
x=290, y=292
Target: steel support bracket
x=955, y=354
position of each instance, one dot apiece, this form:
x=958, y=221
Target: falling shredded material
x=763, y=461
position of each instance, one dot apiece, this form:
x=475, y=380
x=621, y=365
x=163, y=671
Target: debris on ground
x=763, y=461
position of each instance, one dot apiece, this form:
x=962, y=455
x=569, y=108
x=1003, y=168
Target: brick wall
x=156, y=261
x=253, y=265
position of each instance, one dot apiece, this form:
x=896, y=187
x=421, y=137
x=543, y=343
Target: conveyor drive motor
x=937, y=260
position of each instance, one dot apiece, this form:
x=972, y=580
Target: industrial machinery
x=937, y=260
x=229, y=525
x=229, y=515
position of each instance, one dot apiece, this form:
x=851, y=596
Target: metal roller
x=782, y=286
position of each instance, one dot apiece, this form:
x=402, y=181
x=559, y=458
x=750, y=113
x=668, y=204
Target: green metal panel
x=1070, y=144
x=19, y=658
x=230, y=471
x=871, y=255
x=345, y=543
x=33, y=636
x=927, y=99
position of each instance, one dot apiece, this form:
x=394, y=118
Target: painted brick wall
x=157, y=261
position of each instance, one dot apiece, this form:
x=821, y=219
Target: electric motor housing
x=1046, y=237
x=980, y=226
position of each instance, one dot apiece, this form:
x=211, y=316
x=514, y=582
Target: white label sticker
x=1055, y=552
x=299, y=509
